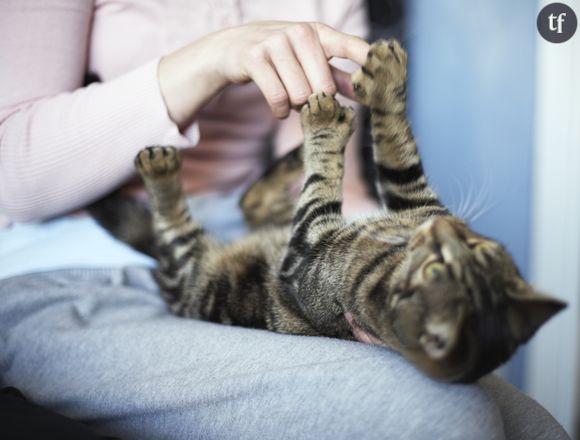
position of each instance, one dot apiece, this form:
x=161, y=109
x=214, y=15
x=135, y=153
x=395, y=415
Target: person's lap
x=100, y=346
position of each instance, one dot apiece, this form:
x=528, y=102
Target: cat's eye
x=474, y=242
x=399, y=296
x=435, y=270
x=487, y=249
x=484, y=252
x=481, y=245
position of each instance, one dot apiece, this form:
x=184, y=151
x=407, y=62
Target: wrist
x=188, y=79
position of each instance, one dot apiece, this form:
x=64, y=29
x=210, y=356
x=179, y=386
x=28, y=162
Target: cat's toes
x=386, y=51
x=346, y=116
x=380, y=82
x=157, y=161
x=321, y=106
x=323, y=111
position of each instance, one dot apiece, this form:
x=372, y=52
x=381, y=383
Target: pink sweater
x=63, y=145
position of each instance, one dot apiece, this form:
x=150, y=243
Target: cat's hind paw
x=157, y=161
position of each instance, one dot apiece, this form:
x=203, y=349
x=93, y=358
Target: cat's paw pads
x=323, y=111
x=381, y=83
x=157, y=161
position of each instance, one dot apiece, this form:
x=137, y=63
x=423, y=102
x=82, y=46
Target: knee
x=470, y=413
x=386, y=397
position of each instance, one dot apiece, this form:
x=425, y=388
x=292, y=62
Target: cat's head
x=458, y=307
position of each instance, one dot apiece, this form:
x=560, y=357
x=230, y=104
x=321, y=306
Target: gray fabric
x=100, y=346
x=524, y=418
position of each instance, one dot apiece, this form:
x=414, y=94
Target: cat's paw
x=324, y=112
x=381, y=83
x=157, y=161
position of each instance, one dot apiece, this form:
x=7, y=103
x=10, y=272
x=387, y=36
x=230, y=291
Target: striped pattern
x=179, y=240
x=414, y=277
x=401, y=182
x=327, y=128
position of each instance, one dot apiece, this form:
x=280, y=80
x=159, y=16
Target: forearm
x=62, y=152
x=188, y=78
x=60, y=149
x=62, y=145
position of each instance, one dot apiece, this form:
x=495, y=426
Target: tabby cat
x=413, y=278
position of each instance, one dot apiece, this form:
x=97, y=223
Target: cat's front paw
x=381, y=83
x=323, y=113
x=157, y=161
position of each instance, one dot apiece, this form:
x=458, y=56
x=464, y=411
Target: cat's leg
x=381, y=84
x=327, y=127
x=199, y=278
x=180, y=242
x=269, y=202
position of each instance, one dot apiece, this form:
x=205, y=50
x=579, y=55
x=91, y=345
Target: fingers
x=314, y=44
x=310, y=54
x=267, y=80
x=291, y=63
x=343, y=83
x=337, y=44
x=289, y=69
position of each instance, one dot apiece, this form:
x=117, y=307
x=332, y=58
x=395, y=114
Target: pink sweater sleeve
x=62, y=145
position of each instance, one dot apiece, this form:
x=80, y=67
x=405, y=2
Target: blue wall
x=471, y=92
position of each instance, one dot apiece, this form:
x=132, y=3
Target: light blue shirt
x=66, y=242
x=79, y=242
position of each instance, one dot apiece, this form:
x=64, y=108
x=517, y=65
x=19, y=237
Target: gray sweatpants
x=101, y=347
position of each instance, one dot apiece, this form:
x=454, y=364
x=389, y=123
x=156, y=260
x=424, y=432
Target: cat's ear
x=529, y=310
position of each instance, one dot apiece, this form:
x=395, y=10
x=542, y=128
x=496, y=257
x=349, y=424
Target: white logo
x=556, y=22
x=559, y=19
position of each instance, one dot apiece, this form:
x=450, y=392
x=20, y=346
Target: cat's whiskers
x=473, y=204
x=481, y=203
x=458, y=204
x=465, y=193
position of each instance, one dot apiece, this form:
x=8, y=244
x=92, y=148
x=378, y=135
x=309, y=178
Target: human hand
x=288, y=62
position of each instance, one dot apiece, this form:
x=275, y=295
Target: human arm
x=288, y=61
x=62, y=145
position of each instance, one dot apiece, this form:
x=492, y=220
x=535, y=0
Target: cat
x=412, y=278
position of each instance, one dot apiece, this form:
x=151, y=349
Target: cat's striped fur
x=413, y=278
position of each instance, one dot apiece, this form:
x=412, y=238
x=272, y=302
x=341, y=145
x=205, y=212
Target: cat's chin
x=456, y=367
x=447, y=370
x=439, y=370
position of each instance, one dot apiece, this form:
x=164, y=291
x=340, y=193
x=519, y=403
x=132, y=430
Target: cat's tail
x=127, y=219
